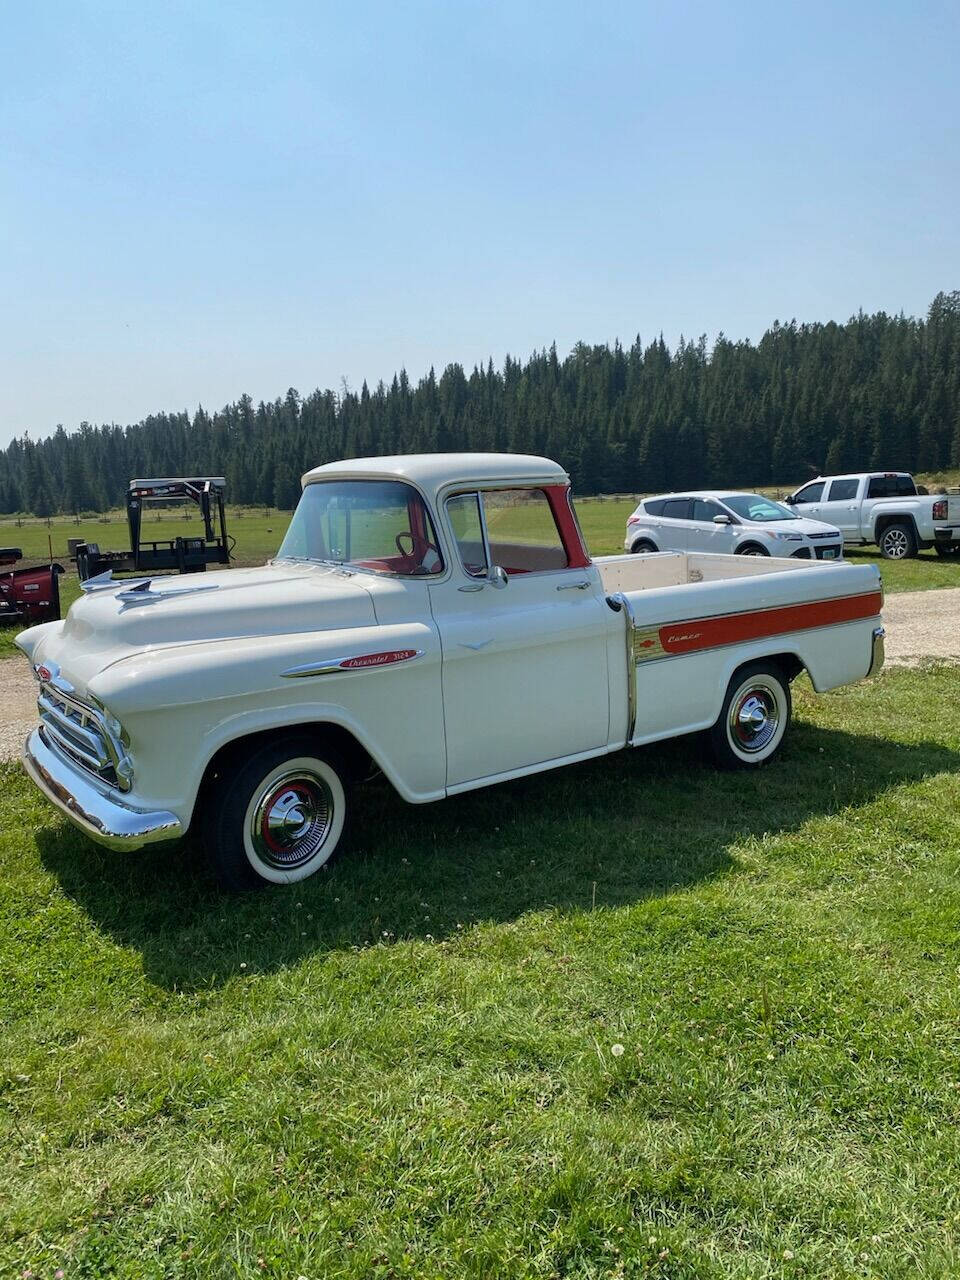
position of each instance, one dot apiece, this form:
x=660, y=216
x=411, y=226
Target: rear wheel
x=754, y=718
x=948, y=550
x=642, y=548
x=280, y=817
x=898, y=541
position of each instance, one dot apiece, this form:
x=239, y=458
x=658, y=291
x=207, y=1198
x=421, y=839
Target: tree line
x=879, y=391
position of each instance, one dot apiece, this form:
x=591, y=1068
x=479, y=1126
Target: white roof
x=720, y=494
x=434, y=471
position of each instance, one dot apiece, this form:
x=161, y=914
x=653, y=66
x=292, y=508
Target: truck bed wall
x=684, y=692
x=677, y=568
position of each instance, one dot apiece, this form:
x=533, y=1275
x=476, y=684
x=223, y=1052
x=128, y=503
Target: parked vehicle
x=728, y=523
x=28, y=595
x=885, y=508
x=437, y=618
x=183, y=555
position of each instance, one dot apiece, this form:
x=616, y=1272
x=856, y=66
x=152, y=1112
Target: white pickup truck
x=883, y=507
x=437, y=618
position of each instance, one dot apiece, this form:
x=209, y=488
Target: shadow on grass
x=613, y=831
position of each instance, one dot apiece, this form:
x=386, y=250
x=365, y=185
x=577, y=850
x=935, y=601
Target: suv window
x=843, y=490
x=705, y=511
x=676, y=509
x=516, y=527
x=811, y=493
x=654, y=507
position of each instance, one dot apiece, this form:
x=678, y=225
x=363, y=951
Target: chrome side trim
x=334, y=666
x=104, y=818
x=876, y=653
x=619, y=601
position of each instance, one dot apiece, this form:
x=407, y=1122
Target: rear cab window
x=889, y=486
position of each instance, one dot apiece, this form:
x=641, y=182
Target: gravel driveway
x=920, y=624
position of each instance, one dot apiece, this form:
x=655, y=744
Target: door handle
x=574, y=586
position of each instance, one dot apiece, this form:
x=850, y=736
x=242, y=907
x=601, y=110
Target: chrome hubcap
x=895, y=544
x=292, y=819
x=754, y=719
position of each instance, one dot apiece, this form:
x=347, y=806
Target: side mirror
x=497, y=577
x=791, y=501
x=722, y=519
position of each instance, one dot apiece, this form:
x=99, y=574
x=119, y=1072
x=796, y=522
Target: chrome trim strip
x=876, y=652
x=104, y=818
x=334, y=666
x=619, y=601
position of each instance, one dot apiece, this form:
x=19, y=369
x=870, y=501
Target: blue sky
x=202, y=199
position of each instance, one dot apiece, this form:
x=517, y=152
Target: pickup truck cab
x=884, y=508
x=437, y=618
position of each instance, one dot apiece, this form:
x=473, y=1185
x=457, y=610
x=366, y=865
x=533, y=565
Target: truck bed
x=678, y=568
x=692, y=619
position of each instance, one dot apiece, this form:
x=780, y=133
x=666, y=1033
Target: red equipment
x=28, y=596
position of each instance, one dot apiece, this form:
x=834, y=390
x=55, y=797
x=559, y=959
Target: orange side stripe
x=711, y=633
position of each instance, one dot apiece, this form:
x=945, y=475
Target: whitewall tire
x=754, y=719
x=279, y=817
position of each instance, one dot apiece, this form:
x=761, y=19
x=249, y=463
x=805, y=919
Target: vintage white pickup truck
x=437, y=618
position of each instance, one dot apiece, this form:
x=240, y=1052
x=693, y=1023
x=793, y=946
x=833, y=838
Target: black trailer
x=182, y=555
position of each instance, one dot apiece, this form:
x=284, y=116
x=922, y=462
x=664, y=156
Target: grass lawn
x=411, y=1066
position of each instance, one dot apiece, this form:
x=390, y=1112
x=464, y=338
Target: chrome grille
x=814, y=537
x=78, y=730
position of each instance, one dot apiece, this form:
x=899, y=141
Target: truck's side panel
x=685, y=643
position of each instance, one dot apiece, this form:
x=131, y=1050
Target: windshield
x=750, y=506
x=381, y=525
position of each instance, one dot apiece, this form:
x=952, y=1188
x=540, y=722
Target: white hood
x=280, y=598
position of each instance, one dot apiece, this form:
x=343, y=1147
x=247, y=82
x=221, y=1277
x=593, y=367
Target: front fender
x=182, y=704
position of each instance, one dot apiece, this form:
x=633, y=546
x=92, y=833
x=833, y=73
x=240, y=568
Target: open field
x=411, y=1065
x=258, y=534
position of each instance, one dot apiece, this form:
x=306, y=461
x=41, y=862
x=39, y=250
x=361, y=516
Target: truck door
x=808, y=500
x=841, y=507
x=524, y=652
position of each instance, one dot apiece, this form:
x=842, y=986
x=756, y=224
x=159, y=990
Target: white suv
x=729, y=523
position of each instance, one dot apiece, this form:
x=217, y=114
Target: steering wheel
x=418, y=548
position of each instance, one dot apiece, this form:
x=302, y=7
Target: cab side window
x=511, y=528
x=521, y=532
x=810, y=493
x=843, y=490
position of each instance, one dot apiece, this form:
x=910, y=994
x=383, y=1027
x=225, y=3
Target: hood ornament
x=138, y=591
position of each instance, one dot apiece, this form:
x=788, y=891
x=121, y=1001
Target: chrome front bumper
x=100, y=814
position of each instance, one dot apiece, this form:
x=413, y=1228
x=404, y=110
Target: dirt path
x=920, y=624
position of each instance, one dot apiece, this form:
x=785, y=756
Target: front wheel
x=280, y=817
x=754, y=718
x=753, y=550
x=898, y=542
